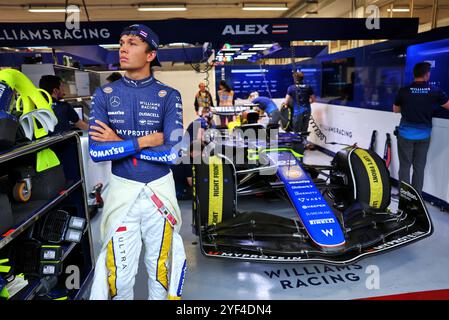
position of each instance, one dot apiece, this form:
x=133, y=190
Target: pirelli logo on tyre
x=215, y=191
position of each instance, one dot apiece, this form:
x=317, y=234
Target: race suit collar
x=138, y=83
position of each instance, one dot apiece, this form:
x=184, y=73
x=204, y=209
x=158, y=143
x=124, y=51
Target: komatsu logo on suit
x=164, y=158
x=246, y=29
x=107, y=152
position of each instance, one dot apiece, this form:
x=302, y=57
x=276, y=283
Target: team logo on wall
x=291, y=173
x=115, y=101
x=107, y=90
x=162, y=93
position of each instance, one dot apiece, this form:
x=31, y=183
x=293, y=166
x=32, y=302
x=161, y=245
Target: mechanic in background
x=300, y=95
x=226, y=98
x=63, y=111
x=194, y=135
x=267, y=106
x=203, y=98
x=196, y=129
x=416, y=103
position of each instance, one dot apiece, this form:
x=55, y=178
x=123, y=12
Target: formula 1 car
x=342, y=209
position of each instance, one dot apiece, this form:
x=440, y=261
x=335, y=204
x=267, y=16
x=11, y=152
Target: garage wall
x=355, y=125
x=186, y=82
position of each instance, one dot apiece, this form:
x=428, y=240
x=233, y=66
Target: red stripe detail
x=7, y=233
x=121, y=229
x=134, y=162
x=389, y=158
x=172, y=219
x=157, y=201
x=423, y=295
x=274, y=31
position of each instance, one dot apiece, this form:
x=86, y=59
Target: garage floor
x=421, y=266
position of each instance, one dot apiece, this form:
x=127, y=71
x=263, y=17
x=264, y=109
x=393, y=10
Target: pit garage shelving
x=72, y=197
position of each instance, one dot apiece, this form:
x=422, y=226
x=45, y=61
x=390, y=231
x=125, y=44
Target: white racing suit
x=135, y=212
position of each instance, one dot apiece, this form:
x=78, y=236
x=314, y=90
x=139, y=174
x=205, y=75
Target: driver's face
x=133, y=53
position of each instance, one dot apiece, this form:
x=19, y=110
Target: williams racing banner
x=217, y=31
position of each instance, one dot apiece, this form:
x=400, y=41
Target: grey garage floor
x=420, y=266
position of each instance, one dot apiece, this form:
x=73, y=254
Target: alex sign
x=207, y=30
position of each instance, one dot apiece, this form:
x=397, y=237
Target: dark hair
x=420, y=69
x=114, y=76
x=298, y=76
x=225, y=85
x=149, y=46
x=49, y=82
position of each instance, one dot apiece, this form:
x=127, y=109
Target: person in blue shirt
x=416, y=103
x=196, y=129
x=194, y=134
x=137, y=123
x=67, y=116
x=300, y=95
x=266, y=105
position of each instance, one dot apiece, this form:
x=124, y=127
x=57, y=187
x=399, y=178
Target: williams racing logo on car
x=253, y=29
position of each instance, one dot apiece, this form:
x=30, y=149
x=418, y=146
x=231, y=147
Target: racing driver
x=136, y=122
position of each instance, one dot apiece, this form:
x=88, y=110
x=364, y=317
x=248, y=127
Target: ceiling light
x=52, y=9
x=179, y=44
x=268, y=45
x=178, y=7
x=399, y=10
x=265, y=7
x=110, y=46
x=230, y=49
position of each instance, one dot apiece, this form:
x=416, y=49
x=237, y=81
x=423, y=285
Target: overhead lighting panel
x=162, y=7
x=399, y=10
x=53, y=9
x=265, y=7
